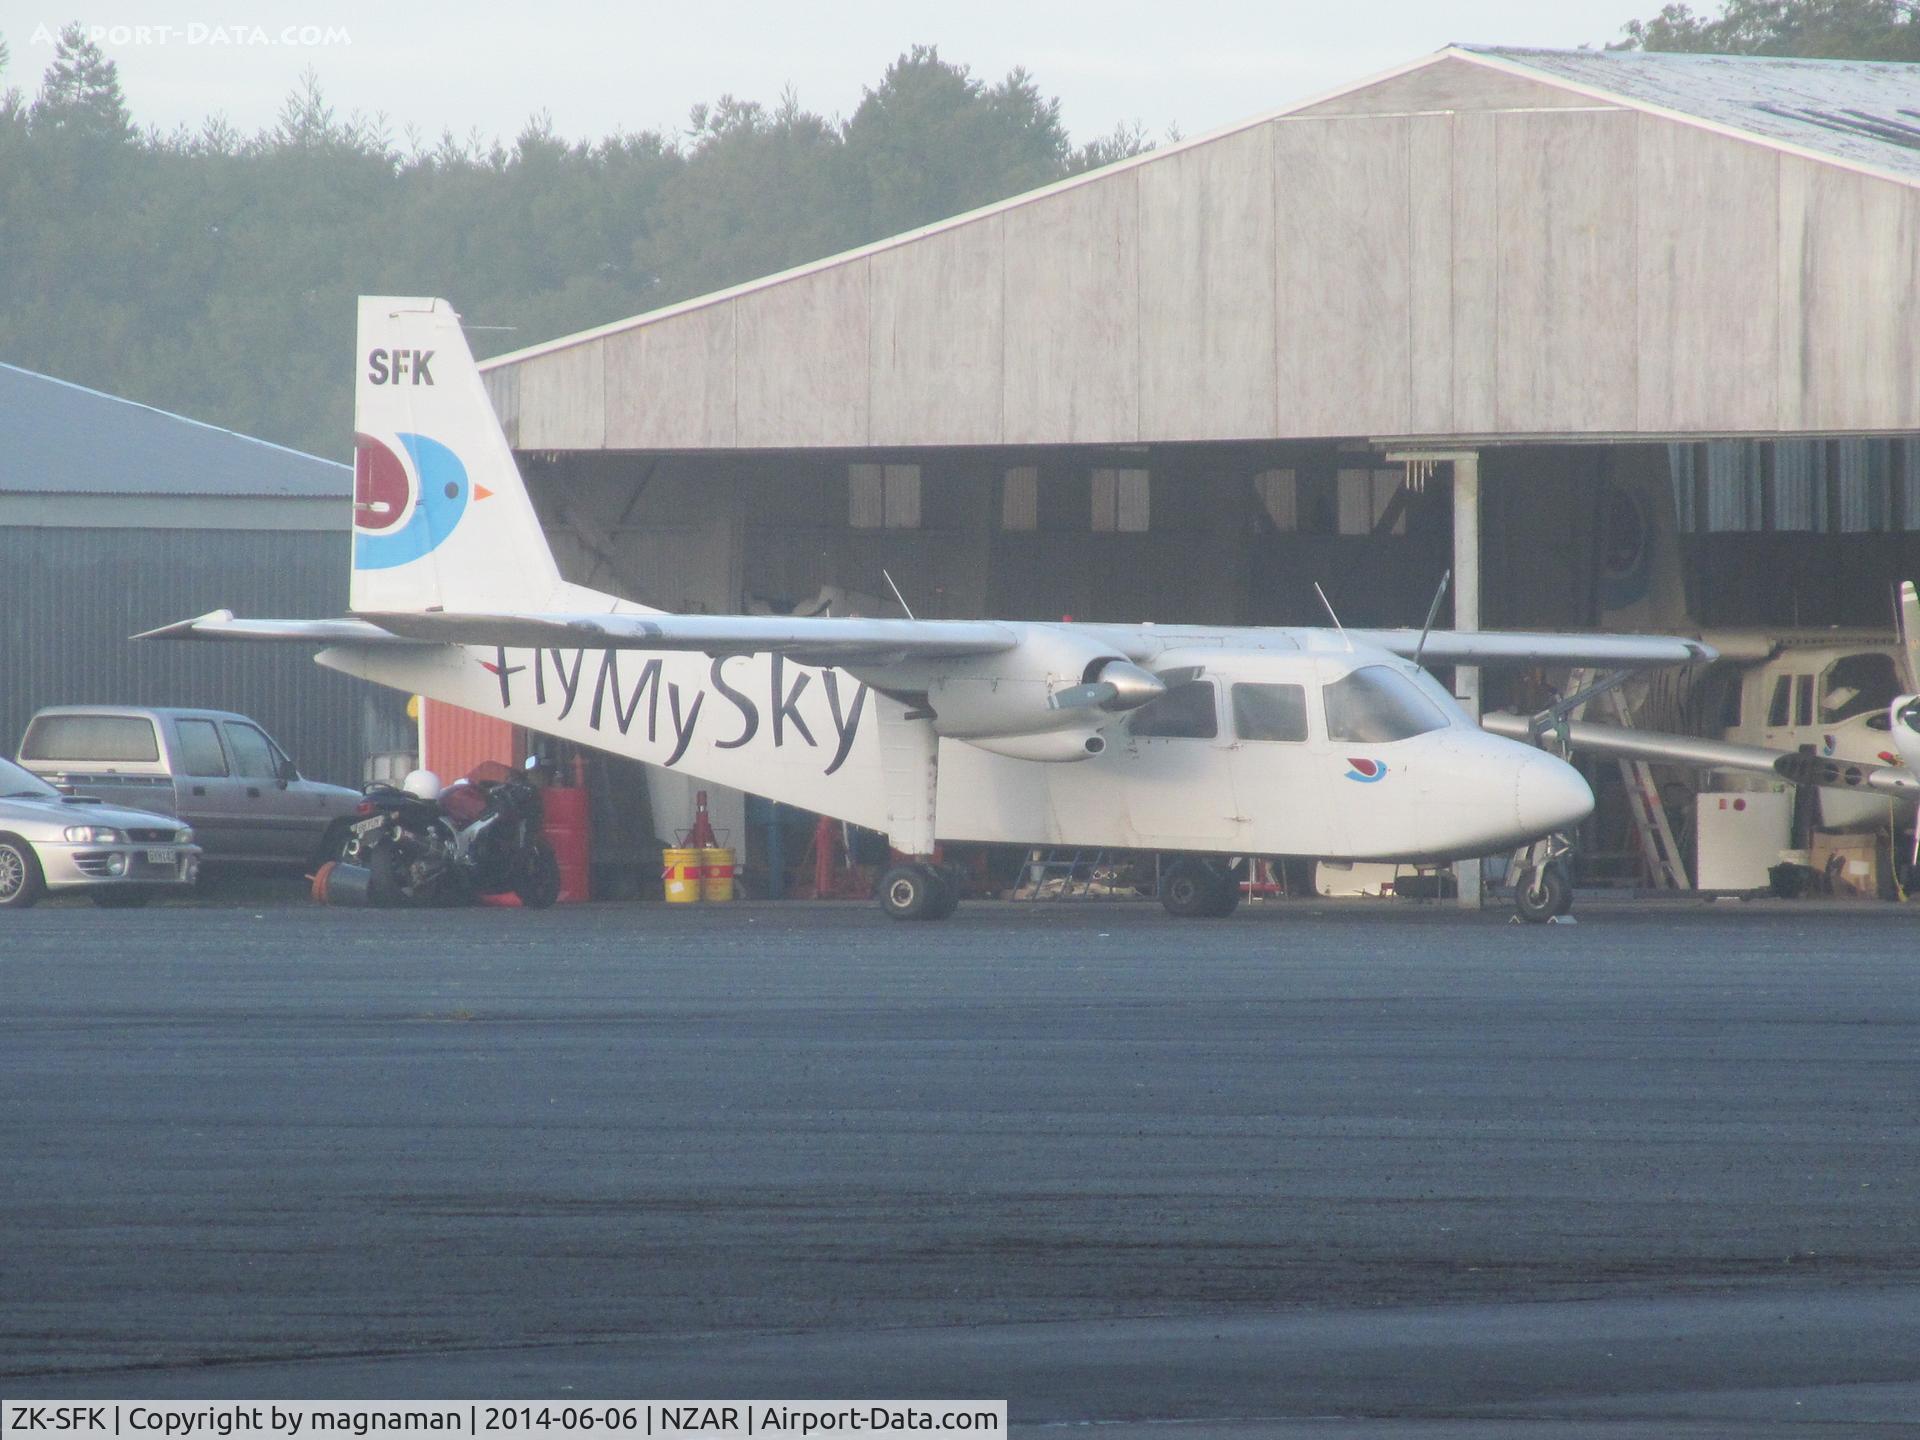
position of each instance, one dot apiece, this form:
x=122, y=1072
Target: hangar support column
x=1465, y=467
x=1466, y=616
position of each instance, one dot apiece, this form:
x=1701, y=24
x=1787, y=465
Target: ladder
x=1053, y=875
x=1659, y=852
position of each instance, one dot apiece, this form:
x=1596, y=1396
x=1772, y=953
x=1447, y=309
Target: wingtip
x=183, y=629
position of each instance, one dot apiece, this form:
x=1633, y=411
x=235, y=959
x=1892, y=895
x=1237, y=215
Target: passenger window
x=1270, y=712
x=1803, y=700
x=200, y=752
x=252, y=755
x=1186, y=712
x=91, y=737
x=1375, y=705
x=1782, y=698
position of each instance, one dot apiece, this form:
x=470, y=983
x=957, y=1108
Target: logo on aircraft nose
x=1366, y=771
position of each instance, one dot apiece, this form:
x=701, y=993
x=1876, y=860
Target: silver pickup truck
x=219, y=772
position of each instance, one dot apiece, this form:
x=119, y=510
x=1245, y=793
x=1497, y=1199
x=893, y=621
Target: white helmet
x=422, y=785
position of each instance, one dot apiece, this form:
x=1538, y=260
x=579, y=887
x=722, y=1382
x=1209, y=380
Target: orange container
x=565, y=824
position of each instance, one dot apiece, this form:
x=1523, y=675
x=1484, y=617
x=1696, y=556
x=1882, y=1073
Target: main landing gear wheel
x=1195, y=890
x=1544, y=895
x=949, y=897
x=918, y=892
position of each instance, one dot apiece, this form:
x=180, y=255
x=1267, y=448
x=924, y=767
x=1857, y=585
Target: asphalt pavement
x=1322, y=1169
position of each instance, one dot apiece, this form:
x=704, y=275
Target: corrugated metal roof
x=63, y=439
x=1861, y=111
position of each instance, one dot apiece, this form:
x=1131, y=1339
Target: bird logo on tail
x=400, y=516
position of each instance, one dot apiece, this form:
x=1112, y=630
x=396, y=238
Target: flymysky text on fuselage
x=1211, y=740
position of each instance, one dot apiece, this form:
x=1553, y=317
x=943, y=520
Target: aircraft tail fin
x=441, y=519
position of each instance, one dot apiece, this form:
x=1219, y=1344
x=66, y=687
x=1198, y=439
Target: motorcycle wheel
x=387, y=887
x=538, y=885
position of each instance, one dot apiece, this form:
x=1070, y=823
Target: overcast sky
x=600, y=66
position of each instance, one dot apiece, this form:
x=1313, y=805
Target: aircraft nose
x=1549, y=794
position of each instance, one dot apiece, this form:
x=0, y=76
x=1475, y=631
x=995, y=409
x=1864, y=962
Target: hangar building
x=1658, y=316
x=117, y=517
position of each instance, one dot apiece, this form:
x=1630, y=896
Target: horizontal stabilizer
x=221, y=625
x=1802, y=769
x=1520, y=647
x=821, y=639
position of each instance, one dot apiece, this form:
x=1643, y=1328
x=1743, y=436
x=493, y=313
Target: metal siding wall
x=1861, y=483
x=1680, y=465
x=1799, y=485
x=1906, y=482
x=457, y=740
x=1734, y=492
x=70, y=598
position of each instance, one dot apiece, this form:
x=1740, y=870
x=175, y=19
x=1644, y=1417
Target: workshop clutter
x=699, y=868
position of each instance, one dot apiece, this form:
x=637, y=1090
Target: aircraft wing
x=1801, y=769
x=1521, y=647
x=826, y=639
x=221, y=625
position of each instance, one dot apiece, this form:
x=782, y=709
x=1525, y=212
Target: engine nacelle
x=1052, y=682
x=1053, y=746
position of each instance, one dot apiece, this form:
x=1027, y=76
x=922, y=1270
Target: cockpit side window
x=1186, y=712
x=1375, y=705
x=1270, y=712
x=1778, y=706
x=1855, y=684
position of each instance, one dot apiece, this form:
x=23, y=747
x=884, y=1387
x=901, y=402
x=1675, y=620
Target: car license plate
x=162, y=857
x=360, y=827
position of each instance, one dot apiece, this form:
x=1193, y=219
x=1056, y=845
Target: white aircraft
x=1860, y=746
x=1209, y=741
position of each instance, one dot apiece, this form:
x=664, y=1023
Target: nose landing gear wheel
x=917, y=892
x=1544, y=895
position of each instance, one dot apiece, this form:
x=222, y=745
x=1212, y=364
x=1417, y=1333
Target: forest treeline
x=214, y=273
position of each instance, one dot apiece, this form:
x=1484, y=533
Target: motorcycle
x=479, y=836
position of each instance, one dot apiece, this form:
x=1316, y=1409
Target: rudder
x=441, y=518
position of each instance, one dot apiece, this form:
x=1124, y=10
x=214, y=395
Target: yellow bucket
x=716, y=883
x=680, y=871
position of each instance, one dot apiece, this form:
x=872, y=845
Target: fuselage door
x=1283, y=777
x=1174, y=754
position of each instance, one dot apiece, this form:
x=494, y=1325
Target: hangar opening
x=1655, y=309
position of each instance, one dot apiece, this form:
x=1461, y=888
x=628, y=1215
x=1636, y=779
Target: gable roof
x=58, y=438
x=1864, y=112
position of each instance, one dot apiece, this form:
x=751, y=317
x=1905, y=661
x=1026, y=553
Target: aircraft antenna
x=1433, y=613
x=898, y=596
x=1335, y=618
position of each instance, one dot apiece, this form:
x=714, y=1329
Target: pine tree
x=80, y=95
x=1816, y=29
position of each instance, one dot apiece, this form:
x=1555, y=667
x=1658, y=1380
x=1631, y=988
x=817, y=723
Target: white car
x=55, y=842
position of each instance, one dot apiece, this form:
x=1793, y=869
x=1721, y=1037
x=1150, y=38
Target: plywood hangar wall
x=1472, y=248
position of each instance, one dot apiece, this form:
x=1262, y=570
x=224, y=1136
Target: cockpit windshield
x=1375, y=705
x=1855, y=684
